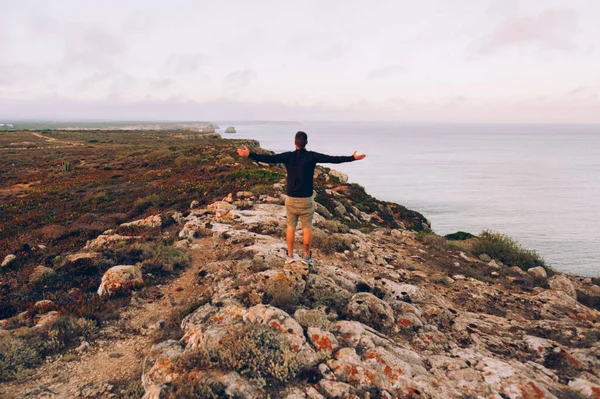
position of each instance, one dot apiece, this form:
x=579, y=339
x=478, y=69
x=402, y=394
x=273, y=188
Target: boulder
x=485, y=257
x=46, y=319
x=341, y=176
x=8, y=259
x=369, y=309
x=159, y=363
x=560, y=282
x=44, y=306
x=104, y=241
x=150, y=221
x=194, y=204
x=322, y=210
x=122, y=278
x=41, y=274
x=230, y=129
x=322, y=340
x=537, y=272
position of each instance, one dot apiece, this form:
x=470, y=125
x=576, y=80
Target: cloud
x=183, y=64
x=331, y=53
x=386, y=72
x=551, y=29
x=239, y=79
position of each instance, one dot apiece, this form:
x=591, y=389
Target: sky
x=442, y=61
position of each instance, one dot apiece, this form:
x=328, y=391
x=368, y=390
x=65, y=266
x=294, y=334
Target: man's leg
x=289, y=236
x=307, y=237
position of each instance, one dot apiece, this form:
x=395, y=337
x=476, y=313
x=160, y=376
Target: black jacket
x=300, y=165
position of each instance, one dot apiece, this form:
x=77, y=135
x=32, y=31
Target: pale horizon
x=431, y=62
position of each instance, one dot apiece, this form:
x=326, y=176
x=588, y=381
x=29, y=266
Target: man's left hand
x=356, y=156
x=243, y=151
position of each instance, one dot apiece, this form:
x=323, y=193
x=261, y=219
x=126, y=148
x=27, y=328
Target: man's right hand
x=357, y=156
x=243, y=151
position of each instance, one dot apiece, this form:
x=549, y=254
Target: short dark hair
x=301, y=139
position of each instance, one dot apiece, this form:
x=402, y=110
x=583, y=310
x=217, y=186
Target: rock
x=44, y=306
x=485, y=258
x=104, y=241
x=177, y=217
x=83, y=347
x=121, y=278
x=341, y=176
x=41, y=274
x=322, y=210
x=369, y=309
x=150, y=221
x=230, y=129
x=8, y=259
x=159, y=363
x=322, y=340
x=244, y=194
x=182, y=244
x=46, y=319
x=495, y=264
x=585, y=387
x=221, y=208
x=80, y=256
x=229, y=198
x=336, y=390
x=560, y=282
x=468, y=258
x=194, y=204
x=537, y=272
x=339, y=209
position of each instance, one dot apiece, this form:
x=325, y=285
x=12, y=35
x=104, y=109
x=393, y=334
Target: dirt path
x=118, y=352
x=55, y=140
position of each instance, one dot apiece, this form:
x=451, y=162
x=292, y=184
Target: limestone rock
x=8, y=259
x=150, y=221
x=106, y=240
x=46, y=319
x=44, y=306
x=322, y=340
x=537, y=272
x=322, y=210
x=159, y=363
x=369, y=309
x=41, y=274
x=230, y=129
x=341, y=176
x=194, y=204
x=121, y=278
x=560, y=282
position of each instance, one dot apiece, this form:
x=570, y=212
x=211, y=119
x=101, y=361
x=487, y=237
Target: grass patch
x=508, y=251
x=262, y=175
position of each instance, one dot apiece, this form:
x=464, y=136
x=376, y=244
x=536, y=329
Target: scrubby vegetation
x=507, y=250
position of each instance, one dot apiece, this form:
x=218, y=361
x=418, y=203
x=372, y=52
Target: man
x=299, y=204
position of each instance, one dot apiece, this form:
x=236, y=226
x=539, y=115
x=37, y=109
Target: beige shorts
x=300, y=208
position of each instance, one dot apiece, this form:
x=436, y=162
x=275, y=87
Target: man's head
x=301, y=140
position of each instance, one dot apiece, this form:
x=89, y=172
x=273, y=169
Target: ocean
x=539, y=184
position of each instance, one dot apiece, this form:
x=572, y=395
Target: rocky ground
x=379, y=315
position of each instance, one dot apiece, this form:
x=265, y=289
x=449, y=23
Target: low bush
x=17, y=356
x=141, y=204
x=337, y=243
x=333, y=226
x=253, y=175
x=257, y=352
x=65, y=331
x=508, y=251
x=314, y=318
x=158, y=256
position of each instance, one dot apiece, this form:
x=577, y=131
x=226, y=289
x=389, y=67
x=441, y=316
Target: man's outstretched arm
x=276, y=158
x=322, y=158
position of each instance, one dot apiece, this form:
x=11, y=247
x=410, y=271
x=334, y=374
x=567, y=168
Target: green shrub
x=281, y=295
x=314, y=318
x=186, y=161
x=158, y=256
x=507, y=250
x=257, y=175
x=337, y=243
x=141, y=204
x=258, y=352
x=65, y=167
x=333, y=226
x=459, y=236
x=16, y=357
x=66, y=330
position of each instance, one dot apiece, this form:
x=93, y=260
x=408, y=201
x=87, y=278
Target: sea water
x=539, y=184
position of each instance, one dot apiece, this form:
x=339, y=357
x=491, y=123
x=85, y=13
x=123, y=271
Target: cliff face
x=382, y=313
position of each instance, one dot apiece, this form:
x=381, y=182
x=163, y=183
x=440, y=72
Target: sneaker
x=290, y=259
x=308, y=260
